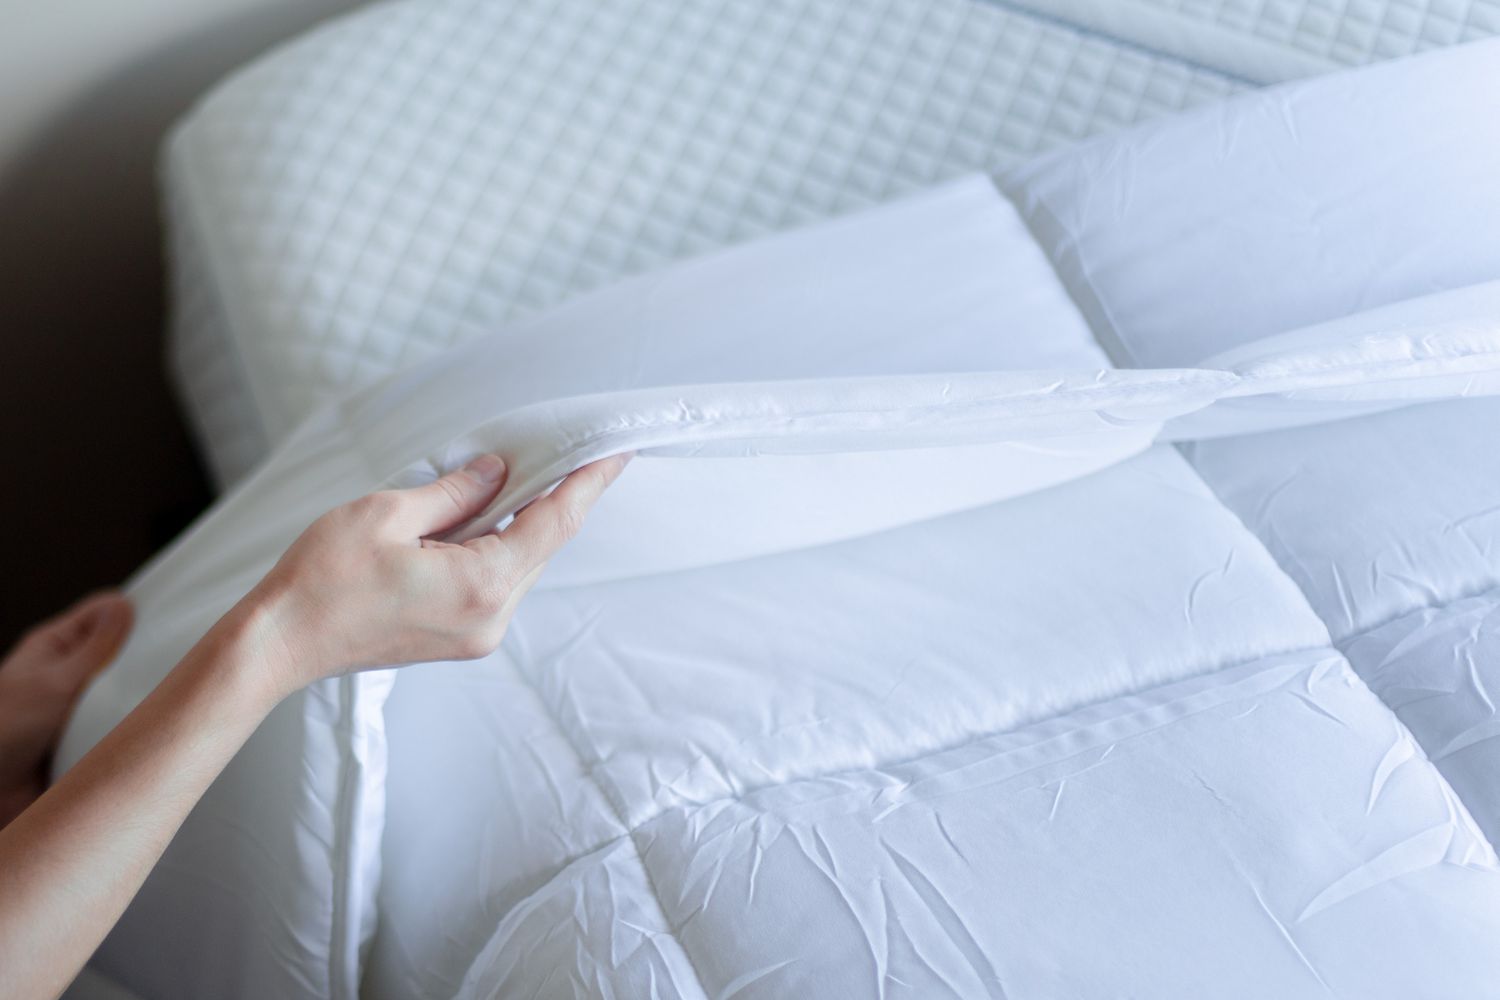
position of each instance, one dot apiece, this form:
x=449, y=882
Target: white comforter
x=908, y=660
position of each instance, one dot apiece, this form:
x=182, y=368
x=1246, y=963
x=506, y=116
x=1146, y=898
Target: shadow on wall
x=99, y=471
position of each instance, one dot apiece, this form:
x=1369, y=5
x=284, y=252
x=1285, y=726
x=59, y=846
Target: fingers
x=107, y=613
x=110, y=619
x=75, y=645
x=547, y=523
x=444, y=503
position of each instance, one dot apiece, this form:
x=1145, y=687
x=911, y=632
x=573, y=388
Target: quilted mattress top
x=421, y=173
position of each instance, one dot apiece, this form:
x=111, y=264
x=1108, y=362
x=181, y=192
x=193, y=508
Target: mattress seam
x=1095, y=34
x=990, y=734
x=1491, y=590
x=1491, y=587
x=178, y=167
x=348, y=800
x=1086, y=300
x=1342, y=642
x=629, y=830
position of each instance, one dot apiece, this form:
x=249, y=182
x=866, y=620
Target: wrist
x=252, y=644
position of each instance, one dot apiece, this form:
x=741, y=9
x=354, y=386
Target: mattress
x=1188, y=695
x=422, y=173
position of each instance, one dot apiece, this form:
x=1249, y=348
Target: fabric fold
x=841, y=457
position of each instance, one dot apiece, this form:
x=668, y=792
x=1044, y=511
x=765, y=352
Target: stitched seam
x=990, y=734
x=1491, y=587
x=1156, y=55
x=1023, y=402
x=349, y=803
x=1108, y=340
x=1382, y=371
x=1182, y=447
x=1339, y=644
x=178, y=167
x=630, y=830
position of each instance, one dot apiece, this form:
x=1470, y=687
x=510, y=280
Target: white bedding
x=423, y=173
x=1143, y=719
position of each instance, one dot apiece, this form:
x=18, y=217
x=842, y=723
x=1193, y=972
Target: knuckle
x=375, y=508
x=452, y=490
x=488, y=548
x=35, y=636
x=484, y=594
x=479, y=643
x=569, y=520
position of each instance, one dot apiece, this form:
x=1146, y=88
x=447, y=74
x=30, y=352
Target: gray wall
x=98, y=470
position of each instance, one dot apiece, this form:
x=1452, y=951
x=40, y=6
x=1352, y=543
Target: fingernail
x=486, y=468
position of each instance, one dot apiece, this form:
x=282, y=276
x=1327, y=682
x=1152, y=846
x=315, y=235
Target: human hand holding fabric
x=366, y=585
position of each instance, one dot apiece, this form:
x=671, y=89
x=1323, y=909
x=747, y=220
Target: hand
x=365, y=586
x=40, y=679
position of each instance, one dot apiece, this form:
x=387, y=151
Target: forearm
x=71, y=863
x=367, y=584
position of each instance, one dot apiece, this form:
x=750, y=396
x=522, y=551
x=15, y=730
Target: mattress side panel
x=212, y=385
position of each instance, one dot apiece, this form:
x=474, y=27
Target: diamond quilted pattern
x=1349, y=31
x=423, y=172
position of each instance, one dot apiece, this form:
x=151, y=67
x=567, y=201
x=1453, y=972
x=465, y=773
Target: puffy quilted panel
x=1418, y=496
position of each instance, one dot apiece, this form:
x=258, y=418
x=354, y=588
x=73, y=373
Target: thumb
x=110, y=618
x=443, y=503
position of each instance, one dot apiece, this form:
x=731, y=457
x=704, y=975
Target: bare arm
x=360, y=588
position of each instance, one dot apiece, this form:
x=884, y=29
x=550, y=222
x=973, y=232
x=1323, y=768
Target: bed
x=1132, y=628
